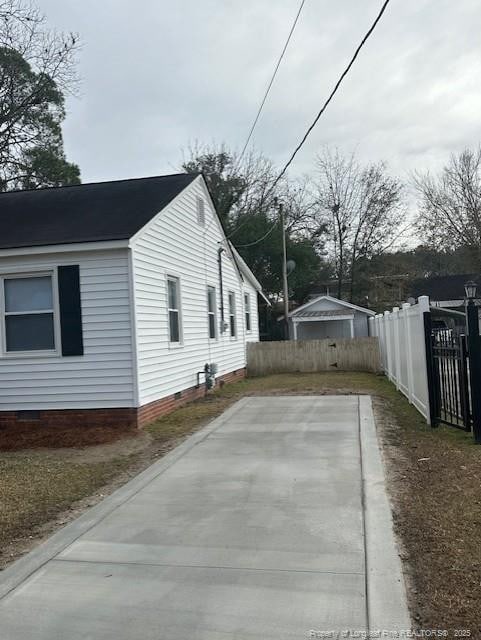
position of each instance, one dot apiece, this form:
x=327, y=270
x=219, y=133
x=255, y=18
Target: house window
x=200, y=211
x=232, y=322
x=174, y=308
x=29, y=313
x=211, y=314
x=247, y=307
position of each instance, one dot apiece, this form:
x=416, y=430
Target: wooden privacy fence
x=307, y=356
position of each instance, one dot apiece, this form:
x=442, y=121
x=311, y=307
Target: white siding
x=361, y=324
x=332, y=328
x=176, y=244
x=103, y=376
x=328, y=305
x=323, y=329
x=253, y=334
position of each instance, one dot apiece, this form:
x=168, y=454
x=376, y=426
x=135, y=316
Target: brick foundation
x=150, y=412
x=127, y=418
x=76, y=418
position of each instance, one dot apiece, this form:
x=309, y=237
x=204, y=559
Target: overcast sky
x=157, y=75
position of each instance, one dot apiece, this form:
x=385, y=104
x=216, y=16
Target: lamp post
x=474, y=352
x=470, y=290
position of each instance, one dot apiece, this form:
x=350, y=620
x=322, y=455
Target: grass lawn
x=434, y=478
x=36, y=486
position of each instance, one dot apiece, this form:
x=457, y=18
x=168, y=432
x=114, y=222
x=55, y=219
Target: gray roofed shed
x=328, y=317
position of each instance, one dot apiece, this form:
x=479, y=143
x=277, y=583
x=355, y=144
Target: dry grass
x=436, y=489
x=434, y=479
x=36, y=486
x=19, y=437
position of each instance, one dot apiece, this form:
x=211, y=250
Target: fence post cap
x=386, y=313
x=395, y=309
x=423, y=302
x=406, y=305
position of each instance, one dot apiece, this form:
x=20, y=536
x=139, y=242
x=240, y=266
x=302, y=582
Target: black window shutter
x=70, y=310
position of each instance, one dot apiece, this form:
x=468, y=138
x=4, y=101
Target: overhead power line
x=271, y=82
x=259, y=111
x=316, y=119
x=251, y=244
x=333, y=92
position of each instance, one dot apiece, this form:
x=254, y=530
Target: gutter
x=220, y=251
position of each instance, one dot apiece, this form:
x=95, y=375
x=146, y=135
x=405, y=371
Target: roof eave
x=244, y=268
x=94, y=245
x=341, y=302
x=344, y=316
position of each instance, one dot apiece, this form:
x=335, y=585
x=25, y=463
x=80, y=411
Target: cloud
x=158, y=74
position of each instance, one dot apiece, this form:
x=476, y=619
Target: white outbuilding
x=328, y=317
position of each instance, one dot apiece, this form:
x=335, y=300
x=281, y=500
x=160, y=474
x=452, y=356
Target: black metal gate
x=454, y=372
x=451, y=394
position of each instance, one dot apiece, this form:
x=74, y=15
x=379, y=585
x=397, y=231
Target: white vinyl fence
x=403, y=350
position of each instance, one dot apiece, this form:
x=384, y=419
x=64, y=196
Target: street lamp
x=470, y=289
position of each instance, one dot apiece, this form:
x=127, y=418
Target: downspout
x=133, y=329
x=221, y=287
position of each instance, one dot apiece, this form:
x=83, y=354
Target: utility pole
x=284, y=273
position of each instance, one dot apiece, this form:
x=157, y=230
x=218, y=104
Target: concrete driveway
x=272, y=522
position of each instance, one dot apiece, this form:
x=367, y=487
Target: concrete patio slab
x=253, y=528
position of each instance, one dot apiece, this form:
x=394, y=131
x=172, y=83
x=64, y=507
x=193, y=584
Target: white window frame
x=232, y=314
x=212, y=313
x=172, y=277
x=34, y=353
x=247, y=312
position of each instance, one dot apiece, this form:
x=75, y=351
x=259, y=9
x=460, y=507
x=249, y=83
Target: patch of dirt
x=128, y=445
x=18, y=437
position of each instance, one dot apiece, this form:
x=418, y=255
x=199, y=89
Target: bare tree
x=245, y=193
x=362, y=208
x=37, y=66
x=450, y=205
x=50, y=53
x=299, y=205
x=243, y=187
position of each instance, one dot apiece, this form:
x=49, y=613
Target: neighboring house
x=379, y=291
x=113, y=298
x=446, y=292
x=446, y=298
x=327, y=317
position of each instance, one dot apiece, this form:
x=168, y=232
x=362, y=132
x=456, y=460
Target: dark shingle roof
x=85, y=213
x=442, y=287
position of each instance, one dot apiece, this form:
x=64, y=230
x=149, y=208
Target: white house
x=114, y=296
x=327, y=317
